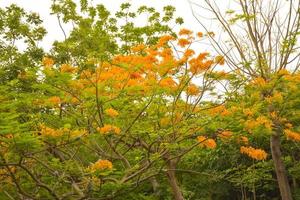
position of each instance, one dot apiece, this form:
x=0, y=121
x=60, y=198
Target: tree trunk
x=171, y=166
x=281, y=174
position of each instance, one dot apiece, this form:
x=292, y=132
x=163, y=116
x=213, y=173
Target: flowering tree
x=261, y=47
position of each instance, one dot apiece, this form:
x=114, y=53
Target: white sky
x=54, y=32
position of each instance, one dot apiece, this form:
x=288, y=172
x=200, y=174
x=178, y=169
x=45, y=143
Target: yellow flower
x=101, y=165
x=111, y=112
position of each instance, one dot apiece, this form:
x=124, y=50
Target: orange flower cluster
x=66, y=68
x=200, y=64
x=247, y=112
x=50, y=132
x=225, y=135
x=55, y=100
x=168, y=83
x=200, y=34
x=107, y=128
x=244, y=140
x=257, y=154
x=192, y=90
x=292, y=135
x=182, y=42
x=276, y=98
x=48, y=62
x=219, y=110
x=185, y=32
x=101, y=165
x=261, y=82
x=260, y=121
x=164, y=39
x=111, y=112
x=208, y=143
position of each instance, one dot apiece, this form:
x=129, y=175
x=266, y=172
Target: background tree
x=259, y=43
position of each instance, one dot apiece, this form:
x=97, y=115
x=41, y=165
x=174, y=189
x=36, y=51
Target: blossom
x=259, y=82
x=192, y=90
x=225, y=134
x=185, y=32
x=205, y=142
x=138, y=48
x=55, y=100
x=200, y=34
x=244, y=139
x=101, y=165
x=66, y=68
x=168, y=83
x=47, y=131
x=48, y=62
x=182, y=42
x=111, y=112
x=164, y=39
x=247, y=112
x=107, y=128
x=292, y=135
x=257, y=154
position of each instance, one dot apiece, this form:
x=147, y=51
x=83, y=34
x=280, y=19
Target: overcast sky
x=54, y=33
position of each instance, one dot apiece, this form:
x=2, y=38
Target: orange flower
x=200, y=34
x=247, y=112
x=208, y=143
x=185, y=32
x=257, y=154
x=168, y=83
x=244, y=139
x=107, y=128
x=48, y=62
x=259, y=82
x=47, y=131
x=188, y=53
x=101, y=165
x=138, y=48
x=225, y=134
x=221, y=109
x=164, y=39
x=55, y=100
x=111, y=112
x=182, y=42
x=192, y=90
x=292, y=135
x=66, y=68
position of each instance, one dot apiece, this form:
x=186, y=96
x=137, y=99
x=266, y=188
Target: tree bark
x=171, y=166
x=280, y=170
